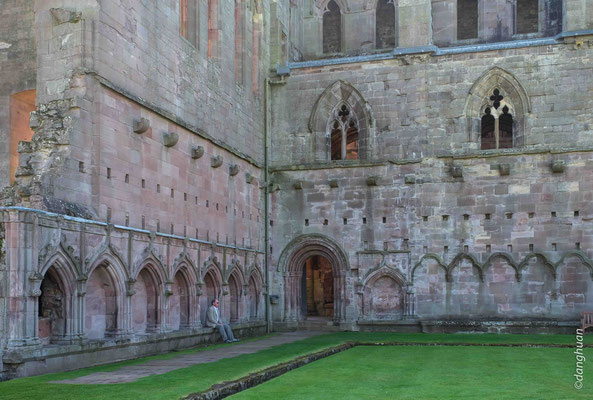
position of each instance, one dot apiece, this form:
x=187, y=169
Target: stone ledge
x=58, y=358
x=521, y=151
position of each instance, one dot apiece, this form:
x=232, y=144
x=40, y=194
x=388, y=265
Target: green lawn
x=428, y=372
x=549, y=364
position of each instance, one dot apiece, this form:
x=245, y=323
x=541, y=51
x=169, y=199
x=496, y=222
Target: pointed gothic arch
x=104, y=303
x=58, y=303
x=507, y=257
x=148, y=299
x=211, y=283
x=497, y=92
x=150, y=255
x=254, y=292
x=457, y=262
x=328, y=109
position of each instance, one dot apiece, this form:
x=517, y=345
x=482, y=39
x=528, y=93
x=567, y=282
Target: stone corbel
x=197, y=152
x=130, y=287
x=141, y=125
x=359, y=288
x=216, y=161
x=170, y=139
x=168, y=288
x=249, y=178
x=233, y=170
x=35, y=279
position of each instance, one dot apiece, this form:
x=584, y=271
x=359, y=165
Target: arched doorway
x=53, y=308
x=318, y=288
x=314, y=253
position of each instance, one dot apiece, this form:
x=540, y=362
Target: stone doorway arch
x=292, y=262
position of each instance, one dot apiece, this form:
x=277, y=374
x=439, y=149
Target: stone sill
x=516, y=322
x=526, y=150
x=388, y=322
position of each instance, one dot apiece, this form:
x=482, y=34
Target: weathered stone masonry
x=340, y=164
x=424, y=230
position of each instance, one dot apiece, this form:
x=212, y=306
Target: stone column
x=165, y=308
x=196, y=310
x=292, y=296
x=23, y=284
x=415, y=23
x=409, y=302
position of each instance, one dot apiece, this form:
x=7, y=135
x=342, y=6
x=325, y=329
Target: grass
x=544, y=364
x=431, y=373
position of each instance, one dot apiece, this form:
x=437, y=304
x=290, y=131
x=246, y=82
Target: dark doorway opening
x=318, y=288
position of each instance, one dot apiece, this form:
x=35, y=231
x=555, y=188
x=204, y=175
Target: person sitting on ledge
x=213, y=320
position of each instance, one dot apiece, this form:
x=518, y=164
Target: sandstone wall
x=18, y=67
x=483, y=245
x=425, y=204
x=419, y=103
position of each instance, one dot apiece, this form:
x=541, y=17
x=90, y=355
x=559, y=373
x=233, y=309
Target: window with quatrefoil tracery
x=343, y=134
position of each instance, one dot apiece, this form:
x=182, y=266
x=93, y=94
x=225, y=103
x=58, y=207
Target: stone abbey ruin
x=402, y=165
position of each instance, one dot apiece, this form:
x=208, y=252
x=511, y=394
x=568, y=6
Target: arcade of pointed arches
x=108, y=302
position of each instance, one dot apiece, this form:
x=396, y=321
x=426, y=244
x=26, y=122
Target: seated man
x=213, y=320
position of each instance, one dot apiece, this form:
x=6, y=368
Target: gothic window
x=527, y=16
x=239, y=41
x=343, y=134
x=213, y=29
x=332, y=28
x=488, y=140
x=385, y=24
x=467, y=19
x=497, y=123
x=187, y=20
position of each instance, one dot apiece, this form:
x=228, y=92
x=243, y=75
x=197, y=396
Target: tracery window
x=467, y=19
x=497, y=123
x=332, y=28
x=527, y=16
x=343, y=134
x=385, y=24
x=188, y=20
